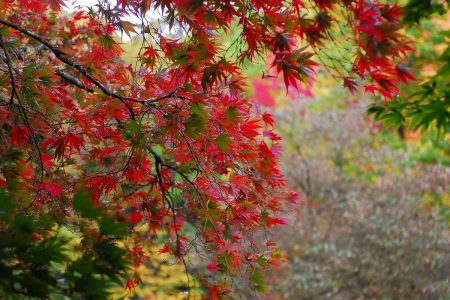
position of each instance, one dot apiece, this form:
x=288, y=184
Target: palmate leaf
x=224, y=142
x=257, y=278
x=435, y=112
x=389, y=113
x=195, y=125
x=111, y=227
x=83, y=204
x=232, y=113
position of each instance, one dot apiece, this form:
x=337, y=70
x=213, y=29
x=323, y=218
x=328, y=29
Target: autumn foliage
x=171, y=142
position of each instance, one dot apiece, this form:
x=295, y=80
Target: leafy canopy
x=170, y=141
x=424, y=104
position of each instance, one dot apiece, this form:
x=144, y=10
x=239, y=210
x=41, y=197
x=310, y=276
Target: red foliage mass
x=174, y=138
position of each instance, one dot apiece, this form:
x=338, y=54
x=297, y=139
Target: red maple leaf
x=52, y=189
x=135, y=217
x=404, y=74
x=19, y=136
x=351, y=85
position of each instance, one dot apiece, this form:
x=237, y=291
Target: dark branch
x=74, y=81
x=22, y=110
x=61, y=56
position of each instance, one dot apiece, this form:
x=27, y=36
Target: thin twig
x=22, y=111
x=61, y=56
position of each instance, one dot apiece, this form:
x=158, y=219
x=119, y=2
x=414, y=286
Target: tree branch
x=22, y=110
x=61, y=56
x=73, y=80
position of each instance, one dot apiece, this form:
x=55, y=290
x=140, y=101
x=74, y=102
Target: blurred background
x=373, y=220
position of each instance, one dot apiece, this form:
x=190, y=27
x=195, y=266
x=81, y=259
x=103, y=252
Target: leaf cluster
x=40, y=257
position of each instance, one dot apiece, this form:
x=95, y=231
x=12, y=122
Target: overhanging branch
x=61, y=56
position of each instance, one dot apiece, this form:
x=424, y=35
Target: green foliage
x=223, y=141
x=43, y=257
x=195, y=125
x=232, y=114
x=426, y=103
x=416, y=10
x=257, y=278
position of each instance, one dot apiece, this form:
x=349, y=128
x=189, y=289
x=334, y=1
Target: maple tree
x=425, y=104
x=169, y=142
